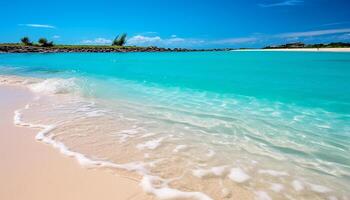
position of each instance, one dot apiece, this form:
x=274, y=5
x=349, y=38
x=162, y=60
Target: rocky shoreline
x=71, y=48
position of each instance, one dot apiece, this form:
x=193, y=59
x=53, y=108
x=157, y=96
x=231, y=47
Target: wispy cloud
x=157, y=40
x=241, y=40
x=334, y=24
x=56, y=37
x=174, y=40
x=336, y=34
x=313, y=33
x=99, y=40
x=38, y=25
x=254, y=39
x=283, y=3
x=149, y=33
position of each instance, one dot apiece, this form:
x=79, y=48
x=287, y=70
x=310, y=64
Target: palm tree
x=26, y=41
x=120, y=40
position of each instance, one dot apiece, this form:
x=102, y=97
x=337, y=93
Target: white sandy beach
x=302, y=49
x=33, y=171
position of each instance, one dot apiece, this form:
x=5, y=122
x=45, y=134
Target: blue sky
x=180, y=23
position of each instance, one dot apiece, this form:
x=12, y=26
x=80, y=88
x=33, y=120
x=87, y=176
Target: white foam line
x=146, y=182
x=214, y=171
x=82, y=159
x=169, y=193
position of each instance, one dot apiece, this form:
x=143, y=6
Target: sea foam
x=54, y=86
x=179, y=148
x=273, y=172
x=169, y=193
x=238, y=175
x=139, y=167
x=298, y=185
x=148, y=139
x=262, y=195
x=151, y=144
x=214, y=171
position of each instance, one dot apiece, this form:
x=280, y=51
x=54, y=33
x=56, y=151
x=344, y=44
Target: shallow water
x=220, y=125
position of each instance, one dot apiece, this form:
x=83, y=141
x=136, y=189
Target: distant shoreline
x=301, y=49
x=19, y=48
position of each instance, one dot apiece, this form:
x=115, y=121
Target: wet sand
x=33, y=171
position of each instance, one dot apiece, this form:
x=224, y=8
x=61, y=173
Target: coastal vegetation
x=26, y=41
x=302, y=45
x=120, y=40
x=43, y=42
x=118, y=45
x=22, y=48
x=330, y=45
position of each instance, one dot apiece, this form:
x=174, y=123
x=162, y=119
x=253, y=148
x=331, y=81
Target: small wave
x=185, y=153
x=146, y=183
x=55, y=86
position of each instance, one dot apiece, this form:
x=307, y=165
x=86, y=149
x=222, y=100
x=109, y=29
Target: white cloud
x=313, y=33
x=97, y=41
x=236, y=40
x=158, y=41
x=38, y=25
x=56, y=36
x=141, y=40
x=175, y=41
x=283, y=3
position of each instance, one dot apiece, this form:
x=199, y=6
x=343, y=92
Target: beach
x=301, y=49
x=32, y=170
x=175, y=100
x=195, y=125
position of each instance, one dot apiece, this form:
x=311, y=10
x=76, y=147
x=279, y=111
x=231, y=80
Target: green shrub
x=43, y=42
x=26, y=41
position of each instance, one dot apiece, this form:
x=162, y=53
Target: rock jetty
x=10, y=48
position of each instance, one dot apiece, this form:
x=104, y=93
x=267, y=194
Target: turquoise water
x=290, y=111
x=311, y=79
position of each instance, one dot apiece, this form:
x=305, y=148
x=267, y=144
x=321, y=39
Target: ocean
x=197, y=125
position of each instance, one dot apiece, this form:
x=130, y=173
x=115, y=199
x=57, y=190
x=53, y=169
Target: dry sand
x=30, y=170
